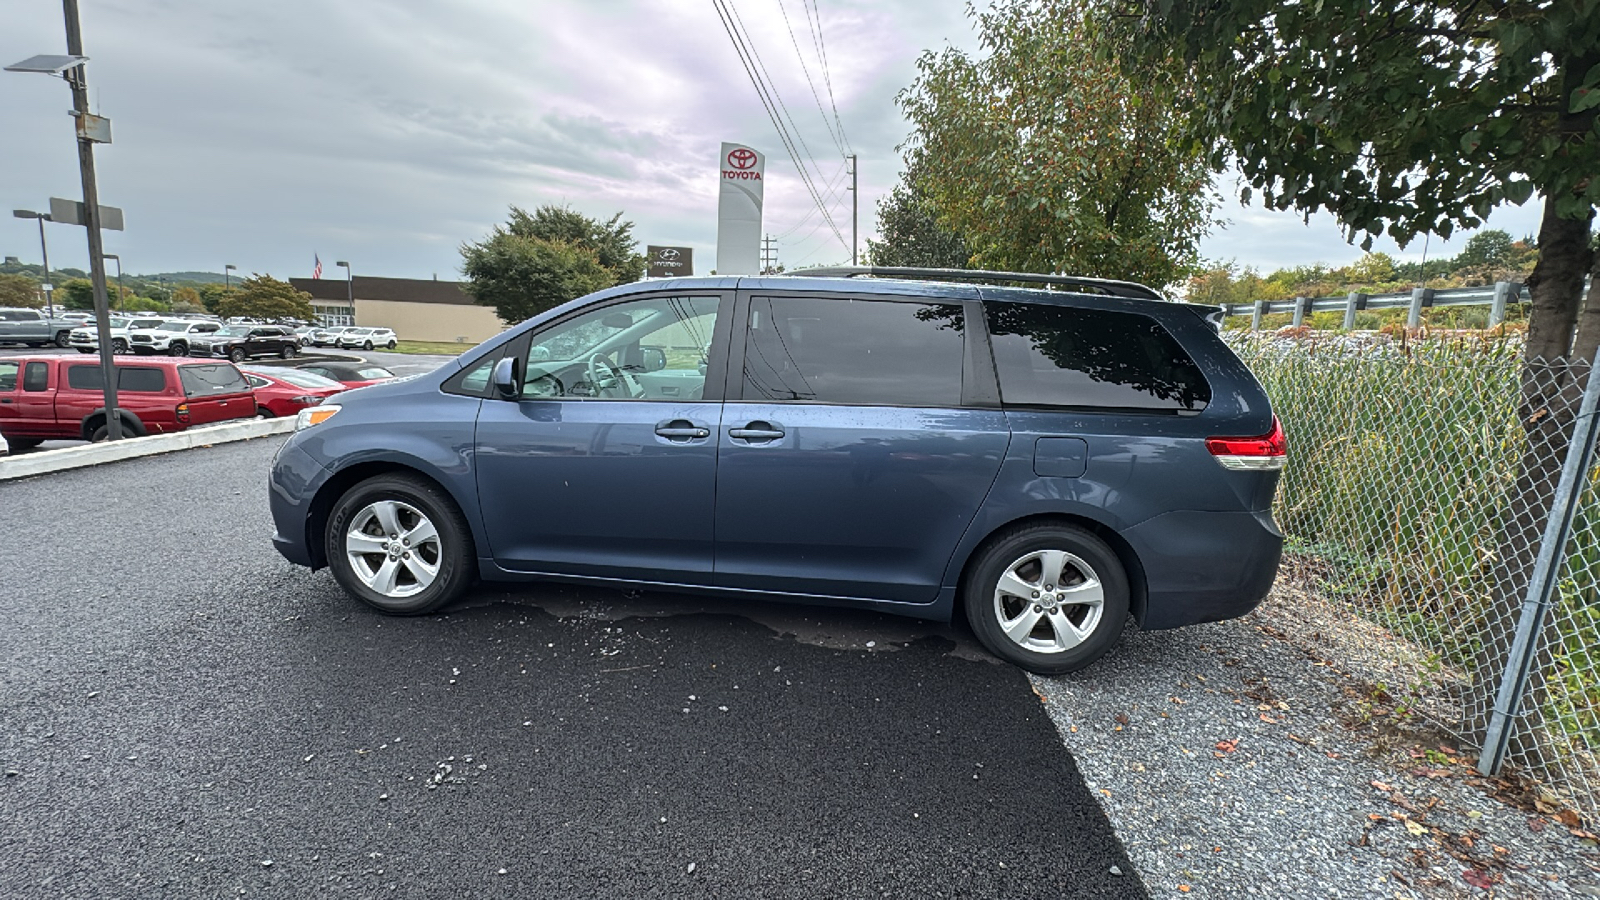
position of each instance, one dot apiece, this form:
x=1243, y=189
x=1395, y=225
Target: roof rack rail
x=1106, y=285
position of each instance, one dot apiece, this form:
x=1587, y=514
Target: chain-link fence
x=1418, y=495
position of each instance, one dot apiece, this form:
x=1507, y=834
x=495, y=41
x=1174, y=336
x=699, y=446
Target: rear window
x=374, y=373
x=204, y=381
x=1091, y=358
x=137, y=379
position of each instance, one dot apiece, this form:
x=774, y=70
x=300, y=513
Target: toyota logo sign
x=742, y=158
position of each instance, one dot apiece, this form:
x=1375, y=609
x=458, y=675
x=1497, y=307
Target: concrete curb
x=133, y=448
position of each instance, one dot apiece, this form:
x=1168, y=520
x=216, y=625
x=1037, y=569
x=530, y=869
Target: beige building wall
x=450, y=322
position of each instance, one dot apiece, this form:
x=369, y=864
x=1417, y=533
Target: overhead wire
x=794, y=39
x=814, y=18
x=772, y=101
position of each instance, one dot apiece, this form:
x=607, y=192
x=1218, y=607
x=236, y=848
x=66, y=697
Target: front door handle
x=756, y=432
x=681, y=431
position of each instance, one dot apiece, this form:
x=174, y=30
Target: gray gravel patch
x=1223, y=761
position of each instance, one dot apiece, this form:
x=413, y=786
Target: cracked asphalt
x=183, y=714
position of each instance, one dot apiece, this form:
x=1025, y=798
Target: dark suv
x=1047, y=461
x=242, y=342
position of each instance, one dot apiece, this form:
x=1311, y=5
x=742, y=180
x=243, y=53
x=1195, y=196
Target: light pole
x=91, y=130
x=49, y=289
x=349, y=287
x=227, y=280
x=120, y=300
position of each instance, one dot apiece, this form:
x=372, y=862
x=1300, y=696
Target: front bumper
x=291, y=487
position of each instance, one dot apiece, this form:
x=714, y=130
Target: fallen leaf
x=1568, y=817
x=1415, y=827
x=1374, y=817
x=1535, y=824
x=1380, y=786
x=1500, y=850
x=1478, y=878
x=1184, y=888
x=1228, y=746
x=1122, y=718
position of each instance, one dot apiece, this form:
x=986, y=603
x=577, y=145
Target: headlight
x=315, y=415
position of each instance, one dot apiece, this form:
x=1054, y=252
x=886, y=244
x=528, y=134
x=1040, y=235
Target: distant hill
x=196, y=277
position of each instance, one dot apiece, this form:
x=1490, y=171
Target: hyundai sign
x=667, y=262
x=743, y=170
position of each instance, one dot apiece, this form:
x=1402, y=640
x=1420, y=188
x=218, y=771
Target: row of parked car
x=62, y=397
x=184, y=335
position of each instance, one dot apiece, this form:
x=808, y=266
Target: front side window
x=8, y=375
x=848, y=351
x=36, y=376
x=1049, y=355
x=651, y=349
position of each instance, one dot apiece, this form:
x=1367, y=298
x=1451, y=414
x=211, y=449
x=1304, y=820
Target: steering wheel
x=608, y=380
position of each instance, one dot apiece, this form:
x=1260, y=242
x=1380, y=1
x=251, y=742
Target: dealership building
x=417, y=309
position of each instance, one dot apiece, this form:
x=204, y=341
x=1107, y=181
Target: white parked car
x=171, y=337
x=366, y=338
x=87, y=338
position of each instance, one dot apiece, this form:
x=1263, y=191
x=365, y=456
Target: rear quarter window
x=135, y=379
x=206, y=381
x=1086, y=358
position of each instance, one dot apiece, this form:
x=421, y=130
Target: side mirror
x=653, y=359
x=505, y=378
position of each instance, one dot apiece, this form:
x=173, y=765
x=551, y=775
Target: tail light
x=1265, y=452
x=183, y=412
x=306, y=400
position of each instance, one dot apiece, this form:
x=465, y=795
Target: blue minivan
x=1048, y=461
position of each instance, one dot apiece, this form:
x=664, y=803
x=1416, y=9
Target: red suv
x=48, y=398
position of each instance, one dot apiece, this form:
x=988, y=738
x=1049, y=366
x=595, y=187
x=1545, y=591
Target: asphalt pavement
x=184, y=714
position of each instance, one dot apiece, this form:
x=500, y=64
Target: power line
x=771, y=101
x=832, y=196
x=783, y=7
x=814, y=17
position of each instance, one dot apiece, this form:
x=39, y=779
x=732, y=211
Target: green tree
x=523, y=276
x=265, y=297
x=534, y=263
x=213, y=296
x=186, y=300
x=909, y=230
x=1048, y=157
x=1492, y=247
x=20, y=290
x=1408, y=117
x=611, y=241
x=77, y=293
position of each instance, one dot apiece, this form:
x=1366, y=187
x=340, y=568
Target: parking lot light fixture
x=227, y=279
x=49, y=289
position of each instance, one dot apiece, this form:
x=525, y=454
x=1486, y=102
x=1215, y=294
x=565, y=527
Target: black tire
x=63, y=339
x=119, y=346
x=238, y=355
x=263, y=413
x=454, y=557
x=392, y=344
x=288, y=351
x=985, y=604
x=99, y=434
x=24, y=443
x=85, y=349
x=366, y=345
x=177, y=349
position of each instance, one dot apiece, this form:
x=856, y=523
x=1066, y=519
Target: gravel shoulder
x=1242, y=758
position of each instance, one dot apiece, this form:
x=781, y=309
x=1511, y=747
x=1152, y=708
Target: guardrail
x=1497, y=297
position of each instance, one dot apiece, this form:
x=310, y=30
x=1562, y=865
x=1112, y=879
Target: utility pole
x=91, y=215
x=855, y=208
x=769, y=255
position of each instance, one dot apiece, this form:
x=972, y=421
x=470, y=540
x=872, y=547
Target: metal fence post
x=1356, y=300
x=1255, y=317
x=1497, y=308
x=1300, y=311
x=1420, y=297
x=1542, y=586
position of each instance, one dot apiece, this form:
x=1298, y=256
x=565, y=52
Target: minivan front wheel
x=400, y=545
x=1049, y=598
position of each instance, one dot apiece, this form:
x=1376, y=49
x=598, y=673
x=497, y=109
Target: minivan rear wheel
x=1049, y=598
x=400, y=545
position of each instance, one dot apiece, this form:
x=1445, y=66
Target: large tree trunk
x=1551, y=387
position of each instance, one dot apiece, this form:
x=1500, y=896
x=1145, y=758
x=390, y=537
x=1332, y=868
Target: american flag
x=316, y=270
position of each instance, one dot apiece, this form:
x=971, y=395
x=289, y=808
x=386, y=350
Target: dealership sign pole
x=743, y=172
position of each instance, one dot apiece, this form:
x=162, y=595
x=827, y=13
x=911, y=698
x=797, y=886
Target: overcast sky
x=387, y=133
